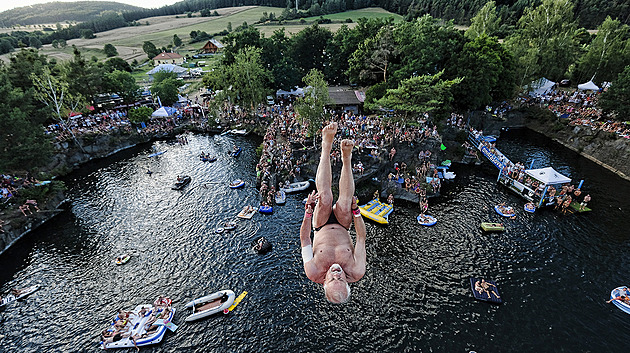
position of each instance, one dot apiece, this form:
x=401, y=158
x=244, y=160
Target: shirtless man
x=331, y=259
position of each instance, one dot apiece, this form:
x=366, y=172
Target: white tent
x=548, y=176
x=588, y=86
x=297, y=91
x=164, y=112
x=540, y=86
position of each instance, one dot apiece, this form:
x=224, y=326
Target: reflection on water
x=555, y=272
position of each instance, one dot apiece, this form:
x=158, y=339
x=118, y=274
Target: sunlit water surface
x=554, y=271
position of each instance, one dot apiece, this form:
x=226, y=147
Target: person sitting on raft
x=483, y=286
x=622, y=297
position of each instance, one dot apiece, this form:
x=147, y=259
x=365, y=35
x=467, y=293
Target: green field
x=251, y=16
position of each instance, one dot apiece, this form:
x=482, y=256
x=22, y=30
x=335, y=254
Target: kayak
x=185, y=180
x=619, y=291
x=136, y=325
x=505, y=211
x=427, y=220
x=122, y=259
x=296, y=187
x=223, y=299
x=238, y=132
x=492, y=227
x=231, y=225
x=10, y=298
x=377, y=211
x=281, y=197
x=247, y=212
x=156, y=154
x=237, y=184
x=236, y=152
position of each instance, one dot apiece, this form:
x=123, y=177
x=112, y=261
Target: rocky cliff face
x=604, y=148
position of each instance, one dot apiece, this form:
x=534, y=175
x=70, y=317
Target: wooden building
x=212, y=47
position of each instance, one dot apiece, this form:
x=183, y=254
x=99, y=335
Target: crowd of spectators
x=10, y=188
x=287, y=139
x=580, y=107
x=112, y=121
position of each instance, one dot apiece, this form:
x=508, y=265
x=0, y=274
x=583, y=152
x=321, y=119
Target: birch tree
x=53, y=93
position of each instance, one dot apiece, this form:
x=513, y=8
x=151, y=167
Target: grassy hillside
x=128, y=40
x=54, y=12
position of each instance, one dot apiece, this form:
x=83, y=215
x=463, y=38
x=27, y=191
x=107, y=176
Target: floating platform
x=575, y=208
x=492, y=227
x=377, y=211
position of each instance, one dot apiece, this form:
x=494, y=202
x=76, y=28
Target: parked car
x=565, y=83
x=270, y=100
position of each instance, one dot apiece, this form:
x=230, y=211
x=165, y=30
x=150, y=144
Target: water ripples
x=554, y=271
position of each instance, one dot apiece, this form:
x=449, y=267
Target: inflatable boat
x=10, y=298
x=529, y=207
x=281, y=197
x=122, y=259
x=237, y=184
x=426, y=220
x=136, y=324
x=180, y=184
x=377, y=211
x=239, y=132
x=617, y=292
x=296, y=187
x=265, y=209
x=229, y=225
x=492, y=227
x=505, y=211
x=210, y=304
x=247, y=212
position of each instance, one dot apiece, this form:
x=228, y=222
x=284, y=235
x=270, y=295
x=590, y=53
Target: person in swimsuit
x=331, y=259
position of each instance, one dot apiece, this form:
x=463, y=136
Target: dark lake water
x=554, y=271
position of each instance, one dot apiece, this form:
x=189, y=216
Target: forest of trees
x=61, y=12
x=424, y=65
x=586, y=13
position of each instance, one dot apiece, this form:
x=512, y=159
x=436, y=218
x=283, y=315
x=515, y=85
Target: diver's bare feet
x=346, y=148
x=328, y=135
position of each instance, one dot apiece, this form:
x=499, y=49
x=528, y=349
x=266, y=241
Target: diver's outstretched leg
x=342, y=208
x=323, y=178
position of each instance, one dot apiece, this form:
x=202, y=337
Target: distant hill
x=54, y=12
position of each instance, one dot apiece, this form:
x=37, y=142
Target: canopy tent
x=164, y=112
x=588, y=86
x=548, y=176
x=540, y=86
x=167, y=68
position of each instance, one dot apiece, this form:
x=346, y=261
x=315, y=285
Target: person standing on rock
x=331, y=259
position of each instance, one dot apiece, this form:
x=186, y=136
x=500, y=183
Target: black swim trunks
x=332, y=219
